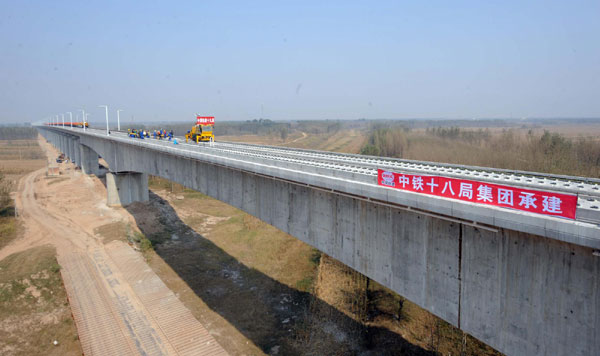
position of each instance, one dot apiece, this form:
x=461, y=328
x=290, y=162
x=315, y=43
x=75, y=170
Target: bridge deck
x=356, y=175
x=364, y=168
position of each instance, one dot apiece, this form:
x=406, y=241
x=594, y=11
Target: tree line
x=547, y=151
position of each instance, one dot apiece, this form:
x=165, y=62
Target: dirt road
x=119, y=305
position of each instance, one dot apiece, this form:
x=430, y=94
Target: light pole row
x=84, y=116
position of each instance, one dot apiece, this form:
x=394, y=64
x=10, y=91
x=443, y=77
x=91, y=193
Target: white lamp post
x=70, y=118
x=83, y=117
x=106, y=109
x=119, y=120
x=63, y=119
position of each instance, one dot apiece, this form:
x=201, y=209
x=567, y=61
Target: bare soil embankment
x=112, y=312
x=34, y=311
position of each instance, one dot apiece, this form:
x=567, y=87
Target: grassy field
x=347, y=141
x=34, y=311
x=19, y=157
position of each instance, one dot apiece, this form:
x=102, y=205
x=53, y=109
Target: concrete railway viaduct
x=525, y=284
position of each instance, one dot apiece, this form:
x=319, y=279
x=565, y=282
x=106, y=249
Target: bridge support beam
x=89, y=160
x=124, y=188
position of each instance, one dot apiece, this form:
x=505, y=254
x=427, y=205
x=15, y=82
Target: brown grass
x=273, y=140
x=19, y=157
x=20, y=150
x=34, y=310
x=113, y=231
x=548, y=152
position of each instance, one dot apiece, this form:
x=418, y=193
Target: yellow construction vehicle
x=203, y=130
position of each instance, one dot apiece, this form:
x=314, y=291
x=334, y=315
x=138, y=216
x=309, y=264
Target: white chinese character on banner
x=403, y=180
x=432, y=184
x=551, y=204
x=418, y=183
x=466, y=190
x=505, y=196
x=484, y=193
x=527, y=200
x=448, y=185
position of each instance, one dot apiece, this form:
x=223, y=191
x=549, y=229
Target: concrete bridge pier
x=124, y=188
x=68, y=147
x=72, y=150
x=89, y=160
x=61, y=143
x=76, y=159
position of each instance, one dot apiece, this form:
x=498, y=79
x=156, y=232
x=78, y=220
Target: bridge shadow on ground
x=275, y=317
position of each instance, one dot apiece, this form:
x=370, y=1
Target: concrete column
x=89, y=160
x=73, y=154
x=124, y=188
x=76, y=153
x=68, y=151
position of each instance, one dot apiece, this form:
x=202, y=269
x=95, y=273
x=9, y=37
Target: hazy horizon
x=300, y=61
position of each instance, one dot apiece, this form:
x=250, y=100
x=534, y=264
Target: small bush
x=55, y=267
x=5, y=188
x=305, y=284
x=145, y=245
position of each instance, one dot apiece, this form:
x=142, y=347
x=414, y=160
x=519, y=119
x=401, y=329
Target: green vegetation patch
x=57, y=180
x=9, y=230
x=194, y=194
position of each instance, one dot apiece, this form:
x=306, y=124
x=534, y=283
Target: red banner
x=205, y=120
x=534, y=201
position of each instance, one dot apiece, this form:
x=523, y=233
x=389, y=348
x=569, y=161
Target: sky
x=297, y=60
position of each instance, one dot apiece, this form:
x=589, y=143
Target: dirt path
x=119, y=305
x=304, y=135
